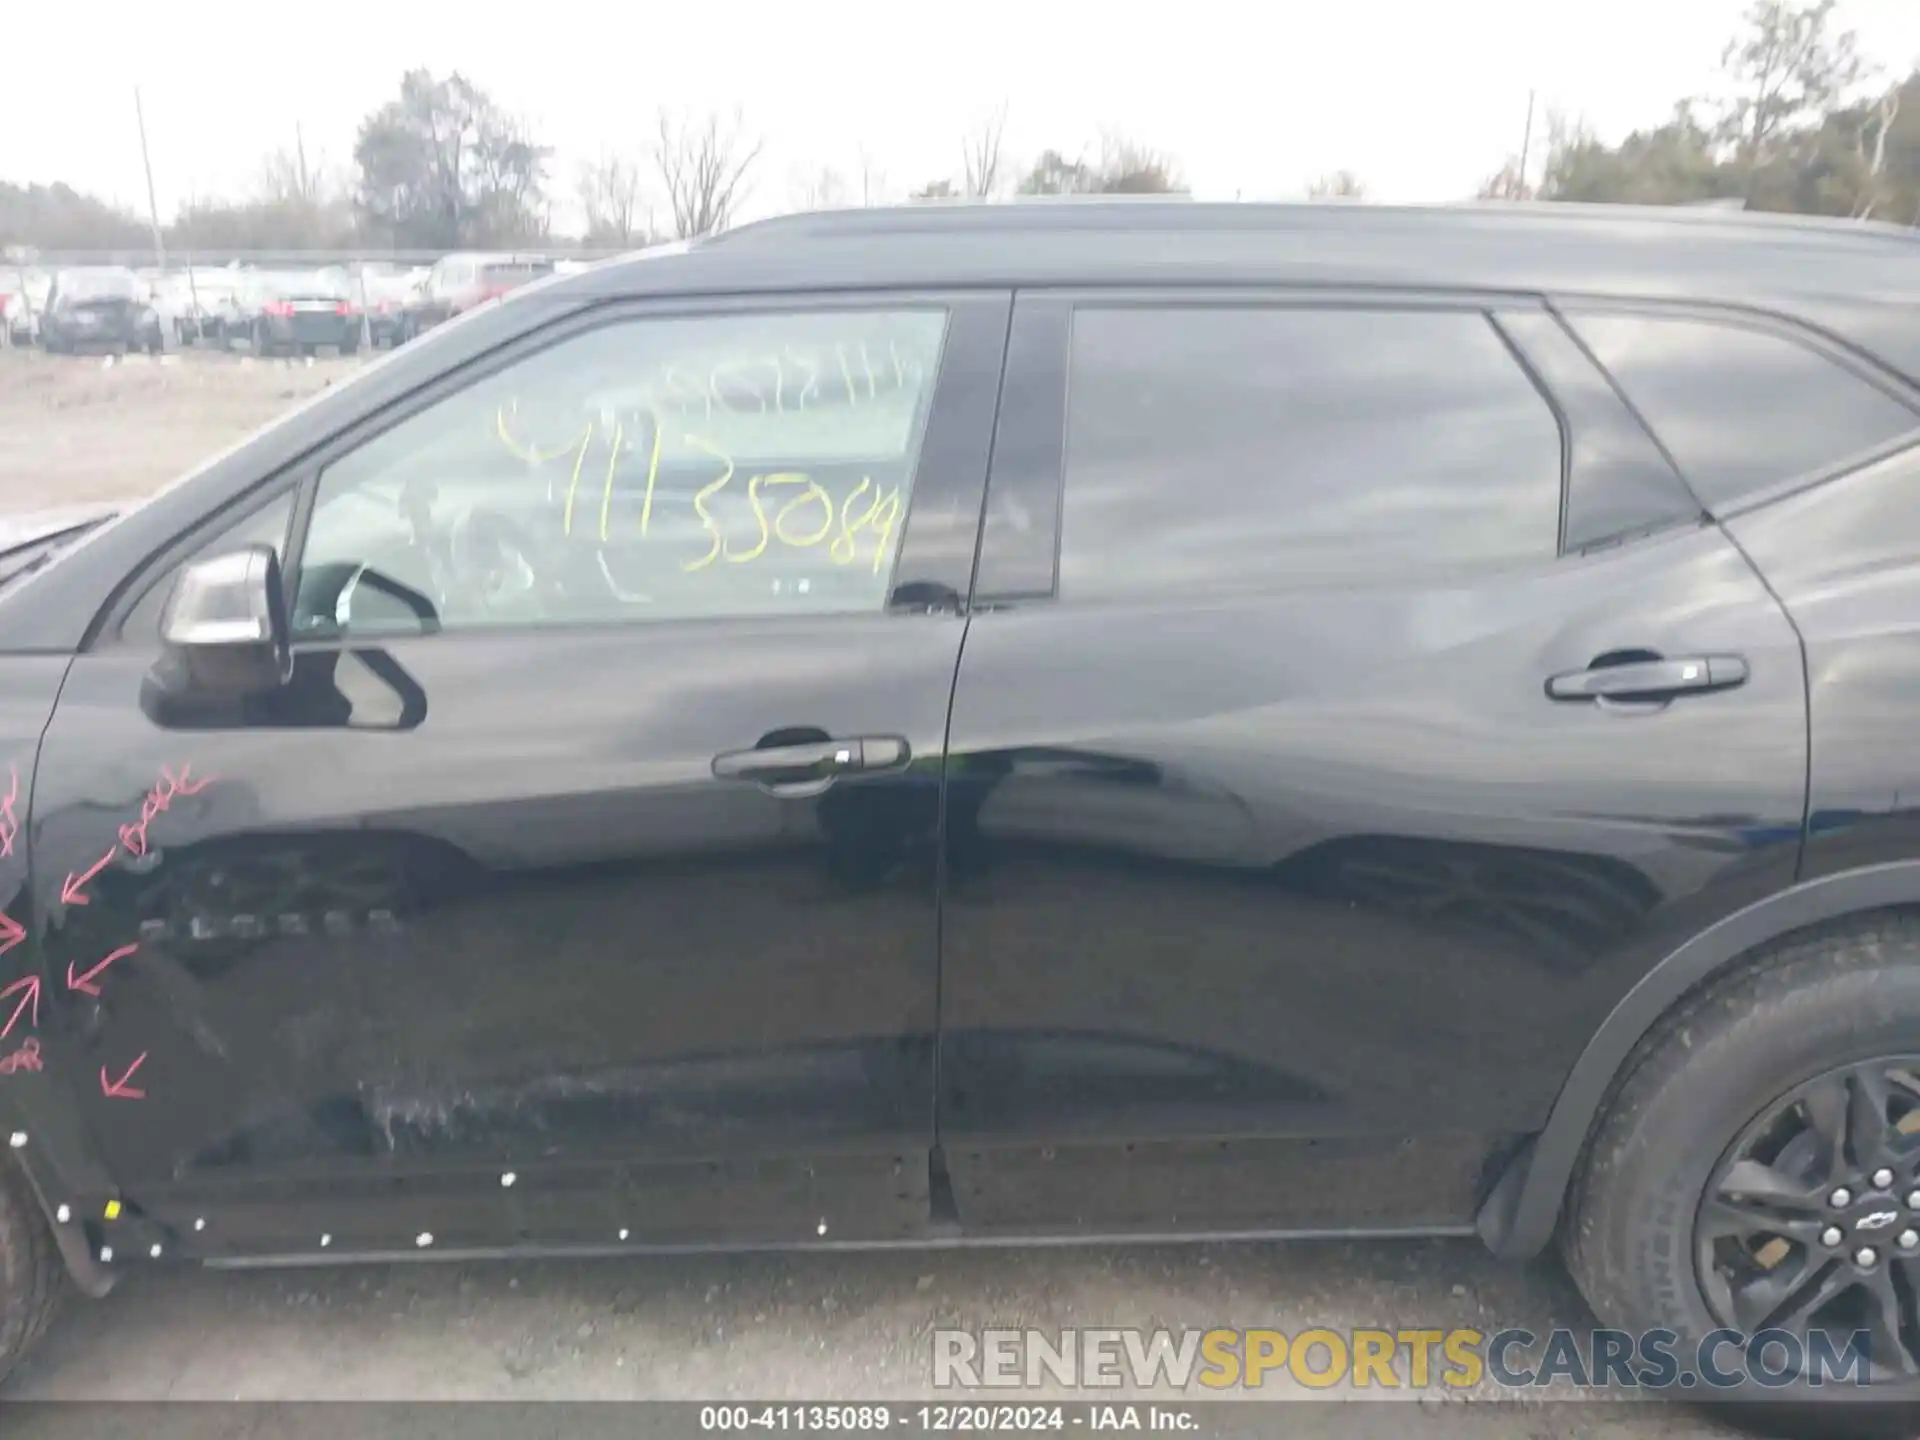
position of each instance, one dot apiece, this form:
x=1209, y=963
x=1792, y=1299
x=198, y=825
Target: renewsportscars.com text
x=1381, y=1359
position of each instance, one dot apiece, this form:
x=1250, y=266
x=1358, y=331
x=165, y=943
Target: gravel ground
x=811, y=1327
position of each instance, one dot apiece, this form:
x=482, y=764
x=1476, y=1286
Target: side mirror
x=224, y=631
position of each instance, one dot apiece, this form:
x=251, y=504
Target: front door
x=581, y=885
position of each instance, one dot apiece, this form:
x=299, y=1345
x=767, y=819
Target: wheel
x=1757, y=1168
x=157, y=345
x=261, y=345
x=32, y=1277
x=350, y=347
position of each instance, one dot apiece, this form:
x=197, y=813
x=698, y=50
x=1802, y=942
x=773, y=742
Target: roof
x=1858, y=280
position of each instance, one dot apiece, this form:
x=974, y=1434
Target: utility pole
x=146, y=163
x=1526, y=150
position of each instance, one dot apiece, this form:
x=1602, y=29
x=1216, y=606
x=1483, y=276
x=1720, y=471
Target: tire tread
x=1781, y=968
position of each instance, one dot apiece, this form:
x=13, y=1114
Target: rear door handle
x=1650, y=679
x=810, y=767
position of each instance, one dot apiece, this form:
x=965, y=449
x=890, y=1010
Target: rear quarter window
x=1741, y=409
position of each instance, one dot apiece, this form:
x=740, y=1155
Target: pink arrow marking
x=70, y=891
x=119, y=1089
x=32, y=986
x=11, y=933
x=83, y=981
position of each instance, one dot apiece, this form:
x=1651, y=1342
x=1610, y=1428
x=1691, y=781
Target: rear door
x=1305, y=811
x=582, y=883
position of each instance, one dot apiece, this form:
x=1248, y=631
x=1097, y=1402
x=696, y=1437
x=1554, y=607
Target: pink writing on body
x=9, y=826
x=159, y=800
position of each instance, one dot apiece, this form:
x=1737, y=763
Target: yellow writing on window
x=530, y=454
x=797, y=521
x=789, y=508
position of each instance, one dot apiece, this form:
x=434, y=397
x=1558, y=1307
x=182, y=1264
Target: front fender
x=1518, y=1218
x=45, y=1135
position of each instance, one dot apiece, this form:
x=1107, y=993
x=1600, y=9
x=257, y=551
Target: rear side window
x=1740, y=409
x=1216, y=449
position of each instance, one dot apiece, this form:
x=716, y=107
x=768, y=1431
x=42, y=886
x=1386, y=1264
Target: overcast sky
x=1251, y=99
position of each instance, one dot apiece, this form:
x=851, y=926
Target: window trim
x=1553, y=352
x=1792, y=331
x=949, y=481
x=1030, y=444
x=1782, y=326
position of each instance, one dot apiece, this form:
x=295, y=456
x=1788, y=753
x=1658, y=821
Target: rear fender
x=1518, y=1217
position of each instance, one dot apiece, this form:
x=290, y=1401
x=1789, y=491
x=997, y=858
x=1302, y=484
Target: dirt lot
x=798, y=1327
x=79, y=430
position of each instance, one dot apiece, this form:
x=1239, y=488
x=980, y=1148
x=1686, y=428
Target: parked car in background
x=187, y=302
x=296, y=312
x=26, y=299
x=382, y=292
x=457, y=283
x=100, y=307
x=229, y=311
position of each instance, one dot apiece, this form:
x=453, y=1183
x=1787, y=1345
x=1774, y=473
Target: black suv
x=100, y=307
x=1074, y=720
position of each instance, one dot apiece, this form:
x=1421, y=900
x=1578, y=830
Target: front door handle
x=808, y=768
x=1650, y=680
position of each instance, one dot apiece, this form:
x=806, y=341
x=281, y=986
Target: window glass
x=1737, y=408
x=1232, y=449
x=654, y=469
x=514, y=272
x=105, y=284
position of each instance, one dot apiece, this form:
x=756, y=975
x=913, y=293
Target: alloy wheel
x=1811, y=1220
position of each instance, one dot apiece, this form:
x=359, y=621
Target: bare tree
x=980, y=155
x=703, y=168
x=609, y=190
x=1787, y=67
x=1337, y=185
x=287, y=176
x=873, y=181
x=1129, y=168
x=1873, y=156
x=1567, y=136
x=822, y=189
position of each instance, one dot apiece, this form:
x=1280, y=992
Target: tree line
x=1801, y=124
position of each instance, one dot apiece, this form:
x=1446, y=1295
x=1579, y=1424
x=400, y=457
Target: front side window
x=664, y=468
x=1213, y=449
x=1740, y=409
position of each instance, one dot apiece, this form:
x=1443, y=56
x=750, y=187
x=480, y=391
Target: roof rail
x=915, y=214
x=1173, y=212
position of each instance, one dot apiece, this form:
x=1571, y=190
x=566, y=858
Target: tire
x=1685, y=1105
x=32, y=1276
